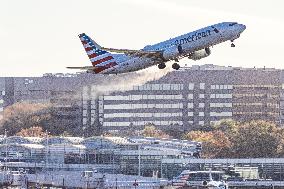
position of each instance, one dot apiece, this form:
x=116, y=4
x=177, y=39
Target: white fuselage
x=217, y=185
x=189, y=43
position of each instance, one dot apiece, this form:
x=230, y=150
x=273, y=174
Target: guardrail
x=256, y=183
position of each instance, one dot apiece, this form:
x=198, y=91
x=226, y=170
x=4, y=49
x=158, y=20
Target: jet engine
x=197, y=55
x=172, y=52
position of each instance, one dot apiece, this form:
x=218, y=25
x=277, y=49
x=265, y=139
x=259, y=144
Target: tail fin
x=99, y=58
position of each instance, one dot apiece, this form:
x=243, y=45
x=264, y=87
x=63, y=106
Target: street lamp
x=139, y=160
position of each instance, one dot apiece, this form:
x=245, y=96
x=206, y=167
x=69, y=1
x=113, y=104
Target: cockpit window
x=234, y=23
x=215, y=29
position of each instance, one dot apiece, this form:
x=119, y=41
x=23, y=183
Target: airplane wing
x=137, y=53
x=82, y=68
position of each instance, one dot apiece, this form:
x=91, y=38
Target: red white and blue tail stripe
x=101, y=59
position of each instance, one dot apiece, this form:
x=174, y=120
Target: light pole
x=139, y=160
x=6, y=150
x=47, y=149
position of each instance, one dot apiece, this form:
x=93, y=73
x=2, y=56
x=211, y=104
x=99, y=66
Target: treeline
x=31, y=119
x=230, y=139
x=227, y=139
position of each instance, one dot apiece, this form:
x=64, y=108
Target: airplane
x=194, y=45
x=200, y=179
x=215, y=185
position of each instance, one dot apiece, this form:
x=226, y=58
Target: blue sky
x=39, y=36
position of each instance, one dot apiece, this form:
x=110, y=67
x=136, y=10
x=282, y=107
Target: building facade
x=282, y=98
x=184, y=99
x=196, y=96
x=59, y=92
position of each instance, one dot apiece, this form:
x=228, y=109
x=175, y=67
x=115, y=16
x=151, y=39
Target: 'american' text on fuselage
x=193, y=37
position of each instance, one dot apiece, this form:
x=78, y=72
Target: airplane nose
x=242, y=27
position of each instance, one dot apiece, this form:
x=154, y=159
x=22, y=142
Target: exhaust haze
x=126, y=82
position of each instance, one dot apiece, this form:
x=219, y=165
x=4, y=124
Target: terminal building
x=165, y=158
x=188, y=98
x=130, y=156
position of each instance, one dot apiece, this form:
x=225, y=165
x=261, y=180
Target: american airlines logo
x=193, y=37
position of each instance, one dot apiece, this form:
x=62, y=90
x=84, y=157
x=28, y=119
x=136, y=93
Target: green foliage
x=230, y=139
x=174, y=133
x=23, y=116
x=152, y=131
x=20, y=116
x=228, y=126
x=32, y=132
x=214, y=143
x=256, y=139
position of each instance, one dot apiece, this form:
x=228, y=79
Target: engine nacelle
x=172, y=52
x=197, y=55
